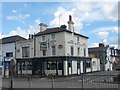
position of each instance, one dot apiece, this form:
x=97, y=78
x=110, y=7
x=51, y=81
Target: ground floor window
x=60, y=66
x=88, y=64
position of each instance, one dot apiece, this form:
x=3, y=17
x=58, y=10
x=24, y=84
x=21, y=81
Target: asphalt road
x=91, y=80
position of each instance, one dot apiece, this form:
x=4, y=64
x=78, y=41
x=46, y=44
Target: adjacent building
x=106, y=54
x=8, y=49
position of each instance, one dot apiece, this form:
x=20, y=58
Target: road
x=91, y=80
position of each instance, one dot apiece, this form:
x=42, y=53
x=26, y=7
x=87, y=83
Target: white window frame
x=55, y=50
x=78, y=53
x=54, y=36
x=42, y=38
x=73, y=51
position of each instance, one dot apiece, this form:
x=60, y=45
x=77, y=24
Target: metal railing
x=97, y=82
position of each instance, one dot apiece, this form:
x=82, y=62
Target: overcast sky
x=97, y=20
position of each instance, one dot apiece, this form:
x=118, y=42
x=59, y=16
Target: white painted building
x=58, y=50
x=105, y=54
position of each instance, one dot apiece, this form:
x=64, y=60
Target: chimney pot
x=42, y=26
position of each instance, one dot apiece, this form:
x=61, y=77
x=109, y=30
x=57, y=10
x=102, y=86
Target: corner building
x=57, y=51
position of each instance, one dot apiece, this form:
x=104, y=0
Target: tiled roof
x=56, y=30
x=12, y=39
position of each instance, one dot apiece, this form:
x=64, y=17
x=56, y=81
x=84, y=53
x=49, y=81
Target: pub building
x=58, y=51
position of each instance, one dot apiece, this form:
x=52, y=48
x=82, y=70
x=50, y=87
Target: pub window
x=60, y=66
x=48, y=66
x=53, y=66
x=52, y=36
x=88, y=64
x=43, y=38
x=9, y=54
x=78, y=64
x=69, y=64
x=53, y=50
x=72, y=50
x=25, y=51
x=78, y=51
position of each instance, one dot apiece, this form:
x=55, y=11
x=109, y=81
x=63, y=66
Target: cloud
x=88, y=24
x=109, y=29
x=37, y=21
x=94, y=45
x=24, y=32
x=86, y=12
x=19, y=17
x=14, y=11
x=102, y=35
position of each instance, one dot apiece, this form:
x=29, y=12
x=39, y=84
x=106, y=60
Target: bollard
x=52, y=81
x=29, y=80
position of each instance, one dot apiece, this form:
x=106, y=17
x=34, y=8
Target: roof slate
x=12, y=39
x=56, y=30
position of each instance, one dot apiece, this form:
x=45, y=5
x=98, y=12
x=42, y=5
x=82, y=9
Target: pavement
x=90, y=80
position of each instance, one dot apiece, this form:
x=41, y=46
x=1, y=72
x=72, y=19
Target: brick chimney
x=70, y=24
x=101, y=45
x=43, y=26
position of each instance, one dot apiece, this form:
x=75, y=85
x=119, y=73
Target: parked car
x=117, y=68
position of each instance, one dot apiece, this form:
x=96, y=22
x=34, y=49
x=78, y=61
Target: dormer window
x=43, y=38
x=52, y=36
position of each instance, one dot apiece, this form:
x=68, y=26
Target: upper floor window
x=78, y=39
x=52, y=36
x=72, y=50
x=9, y=54
x=43, y=38
x=78, y=51
x=84, y=52
x=25, y=51
x=53, y=50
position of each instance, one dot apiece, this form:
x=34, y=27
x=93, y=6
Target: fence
x=97, y=82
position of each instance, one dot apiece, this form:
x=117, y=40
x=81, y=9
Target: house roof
x=56, y=30
x=97, y=49
x=12, y=39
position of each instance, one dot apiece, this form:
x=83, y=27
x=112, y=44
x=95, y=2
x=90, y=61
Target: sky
x=97, y=20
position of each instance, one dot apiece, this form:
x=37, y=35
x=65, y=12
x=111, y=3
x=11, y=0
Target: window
x=9, y=54
x=25, y=51
x=48, y=66
x=88, y=64
x=53, y=66
x=43, y=38
x=78, y=64
x=53, y=50
x=78, y=39
x=78, y=51
x=84, y=52
x=60, y=66
x=69, y=64
x=72, y=50
x=44, y=52
x=53, y=36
